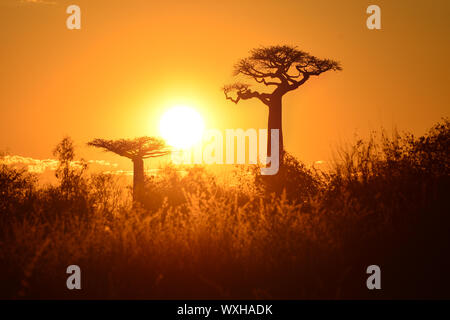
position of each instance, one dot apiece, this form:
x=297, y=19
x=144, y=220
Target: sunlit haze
x=181, y=127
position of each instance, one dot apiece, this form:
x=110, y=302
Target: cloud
x=41, y=165
x=38, y=1
x=32, y=165
x=130, y=172
x=45, y=166
x=120, y=172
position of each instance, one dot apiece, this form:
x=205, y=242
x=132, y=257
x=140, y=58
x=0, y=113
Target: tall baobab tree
x=137, y=150
x=283, y=68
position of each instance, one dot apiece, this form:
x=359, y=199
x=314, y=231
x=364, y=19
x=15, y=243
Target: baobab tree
x=137, y=150
x=283, y=68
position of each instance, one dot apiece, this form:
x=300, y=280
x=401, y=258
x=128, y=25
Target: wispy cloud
x=41, y=165
x=130, y=172
x=38, y=1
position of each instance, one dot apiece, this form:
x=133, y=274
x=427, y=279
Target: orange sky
x=134, y=59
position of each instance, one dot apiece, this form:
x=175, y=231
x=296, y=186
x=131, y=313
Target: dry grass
x=306, y=234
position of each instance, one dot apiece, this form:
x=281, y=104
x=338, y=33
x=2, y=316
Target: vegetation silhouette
x=284, y=68
x=137, y=150
x=70, y=177
x=384, y=201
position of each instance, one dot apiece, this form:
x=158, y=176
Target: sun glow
x=181, y=127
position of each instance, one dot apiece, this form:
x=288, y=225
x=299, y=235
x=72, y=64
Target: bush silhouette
x=384, y=201
x=294, y=178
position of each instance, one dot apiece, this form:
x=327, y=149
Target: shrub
x=304, y=234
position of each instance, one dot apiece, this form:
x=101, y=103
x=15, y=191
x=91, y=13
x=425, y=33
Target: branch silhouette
x=283, y=68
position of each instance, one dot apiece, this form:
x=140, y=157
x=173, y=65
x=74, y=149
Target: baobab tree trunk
x=275, y=122
x=138, y=179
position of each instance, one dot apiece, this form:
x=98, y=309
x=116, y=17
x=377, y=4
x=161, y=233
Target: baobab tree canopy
x=138, y=148
x=281, y=69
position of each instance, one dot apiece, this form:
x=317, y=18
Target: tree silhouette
x=137, y=150
x=71, y=178
x=282, y=67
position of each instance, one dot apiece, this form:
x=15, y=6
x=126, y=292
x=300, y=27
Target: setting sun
x=181, y=127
